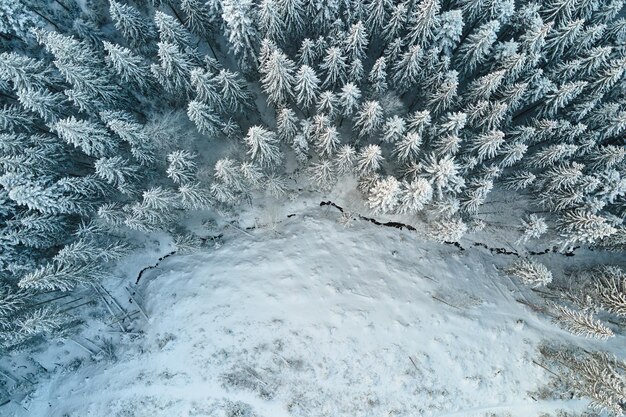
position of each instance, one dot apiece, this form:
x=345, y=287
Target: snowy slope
x=313, y=319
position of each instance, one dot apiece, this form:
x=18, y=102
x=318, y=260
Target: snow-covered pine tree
x=207, y=122
x=238, y=18
x=581, y=323
x=475, y=49
x=335, y=67
x=407, y=69
x=530, y=272
x=271, y=22
x=91, y=138
x=424, y=22
x=369, y=159
x=263, y=146
x=277, y=77
x=286, y=125
x=349, y=99
x=377, y=12
x=306, y=86
x=415, y=195
x=378, y=76
x=129, y=67
x=369, y=118
x=197, y=17
x=356, y=42
x=132, y=25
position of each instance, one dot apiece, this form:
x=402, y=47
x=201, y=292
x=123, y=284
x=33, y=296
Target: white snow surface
x=313, y=319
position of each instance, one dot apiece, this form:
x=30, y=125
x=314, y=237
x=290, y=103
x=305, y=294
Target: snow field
x=312, y=319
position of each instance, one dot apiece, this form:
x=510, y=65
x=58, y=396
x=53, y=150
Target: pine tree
x=419, y=121
x=251, y=174
x=512, y=153
x=378, y=76
x=393, y=129
x=562, y=97
x=520, y=181
x=322, y=174
x=206, y=88
x=13, y=118
x=42, y=102
x=448, y=230
x=610, y=287
x=415, y=195
x=345, y=159
x=160, y=198
x=194, y=196
x=306, y=86
x=324, y=14
x=369, y=118
x=82, y=68
x=129, y=67
x=483, y=88
x=424, y=22
x=356, y=42
x=61, y=276
x=533, y=228
x=408, y=147
x=171, y=31
x=396, y=23
x=328, y=104
x=335, y=67
x=442, y=98
x=383, y=196
x=307, y=54
x=270, y=20
x=238, y=18
x=407, y=69
x=328, y=141
x=277, y=78
x=118, y=172
x=356, y=71
x=580, y=226
x=287, y=125
x=530, y=272
x=393, y=50
x=377, y=11
x=93, y=139
x=131, y=24
x=349, y=99
x=207, y=122
x=450, y=31
x=476, y=48
x=263, y=146
x=443, y=173
x=487, y=144
x=24, y=72
x=369, y=159
x=182, y=167
x=581, y=323
x=133, y=133
x=233, y=90
x=551, y=154
x=563, y=37
x=227, y=172
x=173, y=71
x=293, y=15
x=198, y=17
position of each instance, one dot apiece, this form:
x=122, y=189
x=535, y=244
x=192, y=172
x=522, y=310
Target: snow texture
x=305, y=318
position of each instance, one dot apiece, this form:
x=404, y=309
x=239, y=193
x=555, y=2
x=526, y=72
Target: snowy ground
x=313, y=319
